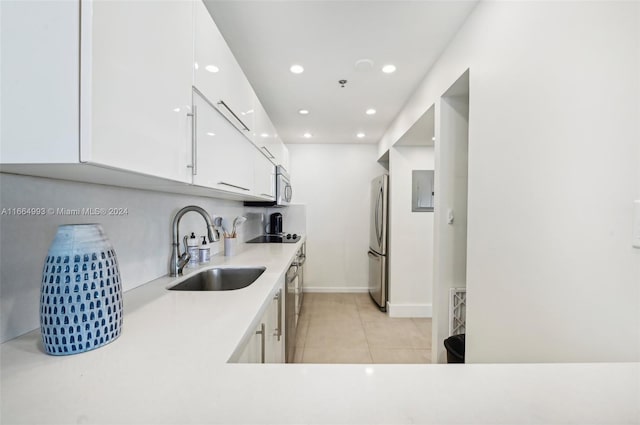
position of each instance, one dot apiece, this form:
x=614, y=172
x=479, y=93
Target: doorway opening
x=450, y=229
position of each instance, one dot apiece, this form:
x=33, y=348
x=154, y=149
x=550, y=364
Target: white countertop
x=170, y=366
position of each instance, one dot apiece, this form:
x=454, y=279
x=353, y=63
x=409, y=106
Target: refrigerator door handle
x=376, y=220
x=379, y=205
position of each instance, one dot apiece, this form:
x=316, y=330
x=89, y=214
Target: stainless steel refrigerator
x=378, y=231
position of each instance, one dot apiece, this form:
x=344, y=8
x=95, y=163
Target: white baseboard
x=341, y=289
x=409, y=310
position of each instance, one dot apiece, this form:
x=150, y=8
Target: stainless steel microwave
x=284, y=192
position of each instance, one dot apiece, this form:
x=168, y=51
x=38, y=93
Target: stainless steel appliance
x=284, y=192
x=378, y=230
x=293, y=302
x=302, y=257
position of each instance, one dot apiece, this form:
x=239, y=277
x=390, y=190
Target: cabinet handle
x=288, y=193
x=221, y=102
x=264, y=148
x=261, y=332
x=233, y=185
x=194, y=141
x=278, y=297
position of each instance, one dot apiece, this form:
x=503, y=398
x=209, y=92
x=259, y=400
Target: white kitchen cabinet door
x=213, y=59
x=137, y=75
x=265, y=132
x=264, y=176
x=267, y=138
x=252, y=351
x=224, y=157
x=217, y=74
x=266, y=341
x=281, y=153
x=274, y=321
x=39, y=112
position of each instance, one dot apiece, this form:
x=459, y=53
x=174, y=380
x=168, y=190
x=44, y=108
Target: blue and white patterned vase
x=81, y=295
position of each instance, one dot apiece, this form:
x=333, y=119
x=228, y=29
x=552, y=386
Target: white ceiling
x=327, y=38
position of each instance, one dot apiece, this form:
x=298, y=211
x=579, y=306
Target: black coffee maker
x=275, y=224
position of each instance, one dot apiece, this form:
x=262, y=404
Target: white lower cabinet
x=274, y=329
x=252, y=350
x=266, y=343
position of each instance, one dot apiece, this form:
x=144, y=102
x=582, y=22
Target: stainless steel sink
x=220, y=279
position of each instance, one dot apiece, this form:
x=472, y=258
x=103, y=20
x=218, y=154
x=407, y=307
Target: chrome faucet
x=178, y=261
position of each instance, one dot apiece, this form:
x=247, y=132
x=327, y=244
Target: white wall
x=141, y=239
x=410, y=237
x=553, y=171
x=334, y=182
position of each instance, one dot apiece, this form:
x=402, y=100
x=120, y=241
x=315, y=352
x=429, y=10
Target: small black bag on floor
x=455, y=348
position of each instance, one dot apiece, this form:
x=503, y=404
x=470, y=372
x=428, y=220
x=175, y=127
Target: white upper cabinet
x=39, y=111
x=132, y=75
x=281, y=153
x=264, y=176
x=265, y=132
x=267, y=139
x=103, y=92
x=224, y=157
x=136, y=111
x=218, y=75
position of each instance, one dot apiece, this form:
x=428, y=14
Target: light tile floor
x=349, y=328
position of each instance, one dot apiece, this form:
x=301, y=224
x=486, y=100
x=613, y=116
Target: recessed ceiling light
x=195, y=65
x=307, y=135
x=364, y=65
x=264, y=135
x=360, y=135
x=212, y=68
x=296, y=69
x=370, y=111
x=303, y=112
x=433, y=138
x=388, y=69
x=210, y=133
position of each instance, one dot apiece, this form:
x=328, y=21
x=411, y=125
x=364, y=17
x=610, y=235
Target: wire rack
x=457, y=311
